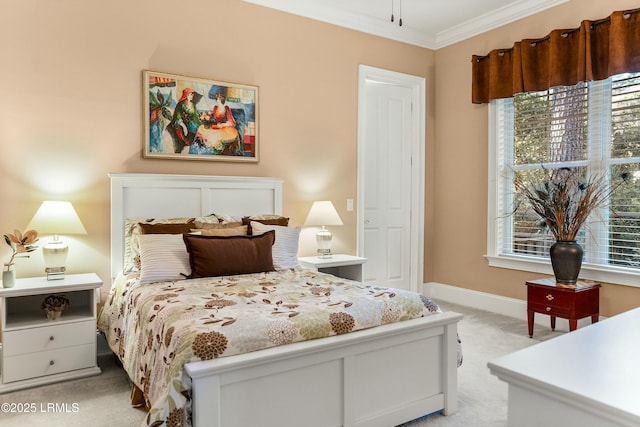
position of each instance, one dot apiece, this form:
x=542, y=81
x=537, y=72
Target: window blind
x=593, y=126
x=624, y=159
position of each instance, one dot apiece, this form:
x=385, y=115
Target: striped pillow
x=285, y=248
x=163, y=257
x=132, y=231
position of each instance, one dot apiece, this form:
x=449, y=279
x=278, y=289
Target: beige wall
x=461, y=160
x=70, y=104
x=70, y=112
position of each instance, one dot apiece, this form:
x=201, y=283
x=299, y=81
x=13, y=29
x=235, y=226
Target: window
x=592, y=125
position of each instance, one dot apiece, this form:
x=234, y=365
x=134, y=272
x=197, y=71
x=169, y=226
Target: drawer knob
x=550, y=297
x=548, y=308
x=51, y=338
x=52, y=363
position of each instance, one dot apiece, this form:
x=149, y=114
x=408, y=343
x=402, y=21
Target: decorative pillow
x=227, y=231
x=285, y=248
x=265, y=219
x=165, y=228
x=222, y=218
x=217, y=226
x=163, y=257
x=229, y=255
x=132, y=231
x=268, y=217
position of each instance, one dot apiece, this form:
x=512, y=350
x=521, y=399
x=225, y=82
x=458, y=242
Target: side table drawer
x=50, y=362
x=550, y=309
x=550, y=297
x=49, y=337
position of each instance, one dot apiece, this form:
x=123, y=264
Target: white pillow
x=163, y=257
x=285, y=248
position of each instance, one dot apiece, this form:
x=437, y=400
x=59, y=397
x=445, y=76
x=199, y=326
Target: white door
x=389, y=176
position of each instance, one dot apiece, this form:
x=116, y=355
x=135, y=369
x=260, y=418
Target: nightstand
x=571, y=302
x=340, y=265
x=36, y=350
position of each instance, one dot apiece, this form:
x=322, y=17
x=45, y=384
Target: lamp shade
x=323, y=213
x=56, y=217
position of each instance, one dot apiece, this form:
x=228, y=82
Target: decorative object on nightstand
x=321, y=214
x=36, y=350
x=8, y=276
x=20, y=244
x=55, y=305
x=56, y=217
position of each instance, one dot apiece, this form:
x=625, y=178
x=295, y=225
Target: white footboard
x=382, y=376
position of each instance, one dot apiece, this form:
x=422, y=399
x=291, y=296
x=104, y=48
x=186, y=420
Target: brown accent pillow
x=241, y=230
x=282, y=221
x=165, y=228
x=229, y=255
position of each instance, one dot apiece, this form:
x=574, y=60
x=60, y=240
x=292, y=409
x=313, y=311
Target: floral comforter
x=155, y=328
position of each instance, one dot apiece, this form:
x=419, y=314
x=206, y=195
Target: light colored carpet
x=101, y=401
x=482, y=397
x=104, y=400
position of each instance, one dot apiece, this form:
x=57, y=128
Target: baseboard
x=511, y=307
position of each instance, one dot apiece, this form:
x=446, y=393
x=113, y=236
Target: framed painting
x=190, y=118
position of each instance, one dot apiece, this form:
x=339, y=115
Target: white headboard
x=165, y=196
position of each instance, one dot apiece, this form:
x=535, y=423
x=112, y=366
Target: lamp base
x=323, y=239
x=324, y=253
x=55, y=273
x=55, y=256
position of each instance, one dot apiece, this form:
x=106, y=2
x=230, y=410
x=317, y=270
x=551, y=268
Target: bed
x=373, y=376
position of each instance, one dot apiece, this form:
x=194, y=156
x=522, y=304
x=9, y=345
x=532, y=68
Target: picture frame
x=190, y=118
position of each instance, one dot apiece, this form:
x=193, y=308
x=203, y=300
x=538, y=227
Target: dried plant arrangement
x=563, y=198
x=20, y=245
x=54, y=305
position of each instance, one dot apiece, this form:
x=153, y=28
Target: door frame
x=417, y=85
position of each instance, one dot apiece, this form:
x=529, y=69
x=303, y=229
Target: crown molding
x=377, y=27
x=380, y=27
x=494, y=19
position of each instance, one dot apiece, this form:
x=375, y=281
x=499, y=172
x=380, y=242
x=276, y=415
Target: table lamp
x=321, y=214
x=56, y=217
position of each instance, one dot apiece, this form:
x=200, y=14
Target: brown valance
x=594, y=51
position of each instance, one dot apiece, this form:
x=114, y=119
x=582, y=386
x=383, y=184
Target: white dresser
x=588, y=378
x=36, y=350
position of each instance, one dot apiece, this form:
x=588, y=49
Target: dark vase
x=566, y=260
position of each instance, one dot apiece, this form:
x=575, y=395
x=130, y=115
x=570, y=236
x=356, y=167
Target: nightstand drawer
x=550, y=297
x=550, y=309
x=50, y=362
x=49, y=338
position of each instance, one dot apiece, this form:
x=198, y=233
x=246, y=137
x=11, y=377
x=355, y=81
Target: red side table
x=570, y=302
